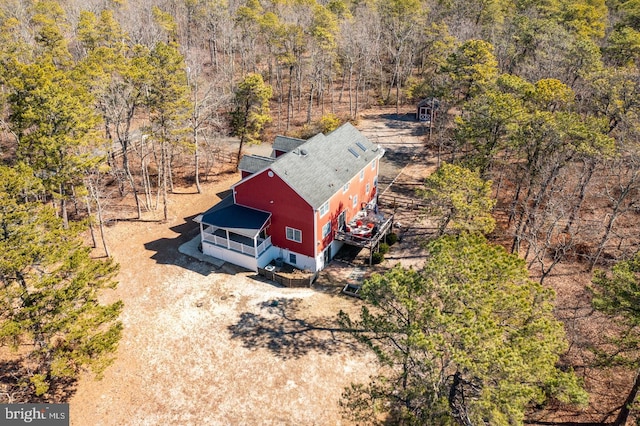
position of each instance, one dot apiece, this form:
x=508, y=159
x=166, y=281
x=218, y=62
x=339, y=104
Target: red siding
x=272, y=194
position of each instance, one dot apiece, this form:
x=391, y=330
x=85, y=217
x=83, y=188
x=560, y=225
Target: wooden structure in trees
x=427, y=109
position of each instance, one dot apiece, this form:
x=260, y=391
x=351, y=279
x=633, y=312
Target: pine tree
x=460, y=198
x=52, y=119
x=169, y=106
x=469, y=339
x=49, y=288
x=617, y=294
x=252, y=109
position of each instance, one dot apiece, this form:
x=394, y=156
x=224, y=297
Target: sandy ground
x=217, y=346
x=207, y=346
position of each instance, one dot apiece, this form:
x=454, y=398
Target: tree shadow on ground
x=281, y=329
x=403, y=121
x=15, y=387
x=398, y=157
x=167, y=253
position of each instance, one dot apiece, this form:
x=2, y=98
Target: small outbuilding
x=427, y=109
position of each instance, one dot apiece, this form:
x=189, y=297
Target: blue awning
x=234, y=218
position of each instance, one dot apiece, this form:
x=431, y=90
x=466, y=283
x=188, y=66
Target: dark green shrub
x=392, y=238
x=377, y=258
x=383, y=248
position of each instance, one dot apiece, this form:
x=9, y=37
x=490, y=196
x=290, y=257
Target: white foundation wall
x=302, y=262
x=236, y=258
x=266, y=257
x=335, y=247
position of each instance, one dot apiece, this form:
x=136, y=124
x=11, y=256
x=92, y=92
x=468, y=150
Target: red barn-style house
x=300, y=205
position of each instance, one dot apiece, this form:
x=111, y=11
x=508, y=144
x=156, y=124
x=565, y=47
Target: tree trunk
x=197, y=163
x=290, y=98
x=582, y=193
x=63, y=208
x=350, y=91
x=94, y=194
x=164, y=167
x=310, y=104
x=623, y=415
x=101, y=225
x=299, y=85
x=170, y=157
x=398, y=95
x=344, y=78
x=127, y=170
x=618, y=209
x=91, y=230
x=243, y=134
x=280, y=90
x=146, y=181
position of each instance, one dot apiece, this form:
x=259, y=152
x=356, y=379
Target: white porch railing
x=263, y=245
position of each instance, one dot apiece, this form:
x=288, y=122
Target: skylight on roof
x=353, y=151
x=362, y=147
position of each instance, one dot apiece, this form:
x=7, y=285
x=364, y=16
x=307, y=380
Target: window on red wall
x=326, y=229
x=355, y=200
x=294, y=234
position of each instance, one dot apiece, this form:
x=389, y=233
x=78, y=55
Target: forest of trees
x=105, y=99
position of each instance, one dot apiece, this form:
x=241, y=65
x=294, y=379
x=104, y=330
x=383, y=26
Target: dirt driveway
x=218, y=346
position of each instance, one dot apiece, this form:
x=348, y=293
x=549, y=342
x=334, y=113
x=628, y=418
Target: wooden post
x=433, y=102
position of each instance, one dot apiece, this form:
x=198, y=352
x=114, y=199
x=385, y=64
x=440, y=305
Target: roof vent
x=303, y=152
x=361, y=146
x=353, y=151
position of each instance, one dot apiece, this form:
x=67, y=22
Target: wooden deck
x=372, y=242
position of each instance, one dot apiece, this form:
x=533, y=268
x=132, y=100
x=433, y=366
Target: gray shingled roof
x=254, y=163
x=286, y=144
x=322, y=165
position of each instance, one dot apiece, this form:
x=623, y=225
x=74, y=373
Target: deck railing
x=230, y=244
x=382, y=230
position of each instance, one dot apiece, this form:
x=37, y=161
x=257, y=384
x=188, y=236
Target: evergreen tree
x=469, y=339
x=49, y=288
x=617, y=294
x=459, y=198
x=252, y=110
x=169, y=106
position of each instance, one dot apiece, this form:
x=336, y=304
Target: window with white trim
x=361, y=175
x=324, y=209
x=355, y=200
x=326, y=229
x=294, y=234
x=373, y=165
x=368, y=188
x=345, y=188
